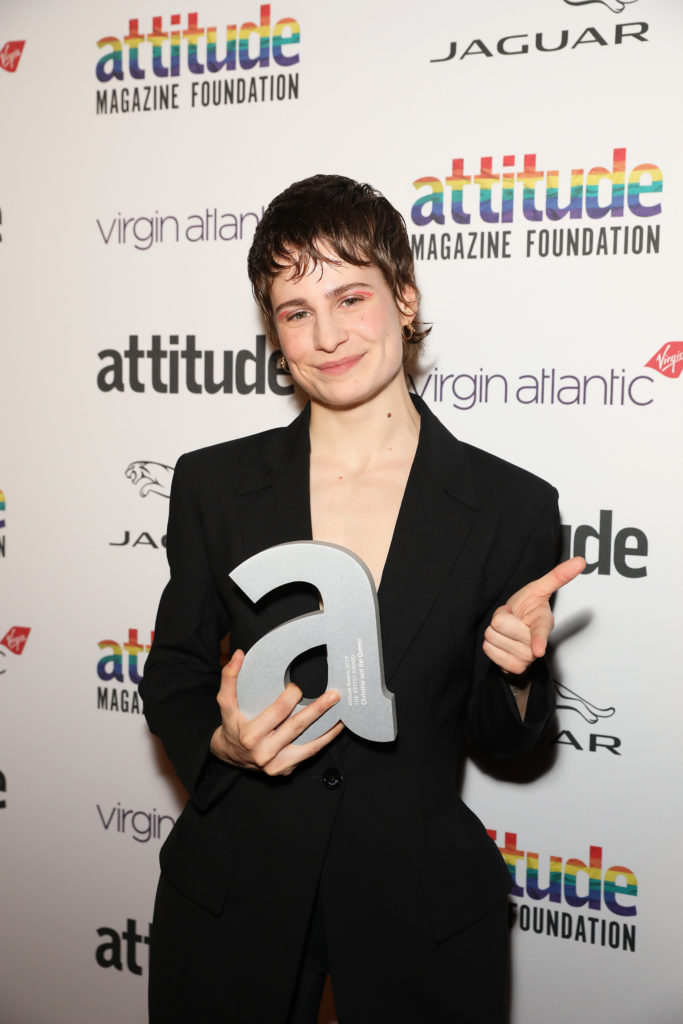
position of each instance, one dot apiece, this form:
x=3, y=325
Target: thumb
x=229, y=675
x=539, y=631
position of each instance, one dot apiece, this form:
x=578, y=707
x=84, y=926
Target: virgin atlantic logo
x=615, y=6
x=15, y=639
x=10, y=54
x=669, y=360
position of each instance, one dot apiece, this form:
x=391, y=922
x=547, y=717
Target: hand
x=266, y=742
x=519, y=631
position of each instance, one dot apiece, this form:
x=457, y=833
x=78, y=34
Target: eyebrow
x=332, y=293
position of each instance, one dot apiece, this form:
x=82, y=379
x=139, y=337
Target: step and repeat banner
x=534, y=152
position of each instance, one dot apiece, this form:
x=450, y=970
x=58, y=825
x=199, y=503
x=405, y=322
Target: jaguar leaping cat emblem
x=153, y=477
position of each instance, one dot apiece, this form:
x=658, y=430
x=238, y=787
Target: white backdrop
x=135, y=224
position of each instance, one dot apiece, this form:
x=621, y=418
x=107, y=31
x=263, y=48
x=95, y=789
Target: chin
x=352, y=396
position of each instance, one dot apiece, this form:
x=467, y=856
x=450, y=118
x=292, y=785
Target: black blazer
x=471, y=530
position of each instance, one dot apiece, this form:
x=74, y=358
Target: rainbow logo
x=114, y=663
x=492, y=192
x=196, y=48
x=573, y=881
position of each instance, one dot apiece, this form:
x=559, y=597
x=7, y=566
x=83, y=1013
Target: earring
x=282, y=363
x=408, y=332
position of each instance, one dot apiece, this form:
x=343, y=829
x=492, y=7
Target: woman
x=340, y=854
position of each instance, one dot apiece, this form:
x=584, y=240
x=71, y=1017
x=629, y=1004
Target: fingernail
x=332, y=697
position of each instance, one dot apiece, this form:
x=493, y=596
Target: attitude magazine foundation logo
x=125, y=948
x=519, y=191
x=571, y=898
x=119, y=671
x=179, y=365
x=212, y=66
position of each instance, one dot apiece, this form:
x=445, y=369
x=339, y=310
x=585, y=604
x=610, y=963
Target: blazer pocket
x=197, y=860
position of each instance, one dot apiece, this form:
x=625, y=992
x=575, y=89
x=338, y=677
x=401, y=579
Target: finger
x=498, y=646
x=506, y=623
x=228, y=690
x=562, y=574
x=297, y=723
x=288, y=758
x=284, y=736
x=279, y=711
x=545, y=586
x=532, y=631
x=264, y=743
x=506, y=660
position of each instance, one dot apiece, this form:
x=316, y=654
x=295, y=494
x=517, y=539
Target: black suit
x=401, y=863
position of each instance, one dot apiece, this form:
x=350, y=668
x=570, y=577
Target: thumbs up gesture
x=519, y=630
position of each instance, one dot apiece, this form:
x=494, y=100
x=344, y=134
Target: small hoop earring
x=408, y=332
x=282, y=363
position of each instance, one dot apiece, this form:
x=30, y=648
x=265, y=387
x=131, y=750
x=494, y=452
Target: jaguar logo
x=615, y=6
x=568, y=700
x=153, y=477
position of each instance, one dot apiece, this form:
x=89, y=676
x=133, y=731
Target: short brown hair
x=353, y=220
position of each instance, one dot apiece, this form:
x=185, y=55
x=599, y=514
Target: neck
x=358, y=434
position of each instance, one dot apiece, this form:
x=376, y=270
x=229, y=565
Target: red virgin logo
x=10, y=54
x=669, y=360
x=15, y=638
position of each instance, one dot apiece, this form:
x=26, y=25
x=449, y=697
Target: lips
x=339, y=366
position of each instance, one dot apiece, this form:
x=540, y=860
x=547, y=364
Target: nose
x=329, y=332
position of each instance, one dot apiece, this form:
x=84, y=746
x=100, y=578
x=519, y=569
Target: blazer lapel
x=435, y=519
x=273, y=497
x=274, y=504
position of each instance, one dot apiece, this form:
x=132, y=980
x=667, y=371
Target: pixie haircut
x=331, y=213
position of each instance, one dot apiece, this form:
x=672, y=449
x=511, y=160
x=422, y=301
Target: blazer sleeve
x=493, y=719
x=182, y=672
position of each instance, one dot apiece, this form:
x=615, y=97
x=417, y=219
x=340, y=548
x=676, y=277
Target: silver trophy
x=347, y=624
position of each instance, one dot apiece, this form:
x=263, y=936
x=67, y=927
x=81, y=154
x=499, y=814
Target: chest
x=359, y=510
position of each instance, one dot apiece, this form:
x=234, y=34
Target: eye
x=351, y=300
x=298, y=314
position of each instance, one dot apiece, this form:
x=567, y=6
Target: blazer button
x=332, y=778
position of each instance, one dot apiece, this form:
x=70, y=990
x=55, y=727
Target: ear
x=408, y=303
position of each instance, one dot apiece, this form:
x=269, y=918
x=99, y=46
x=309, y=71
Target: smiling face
x=340, y=329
